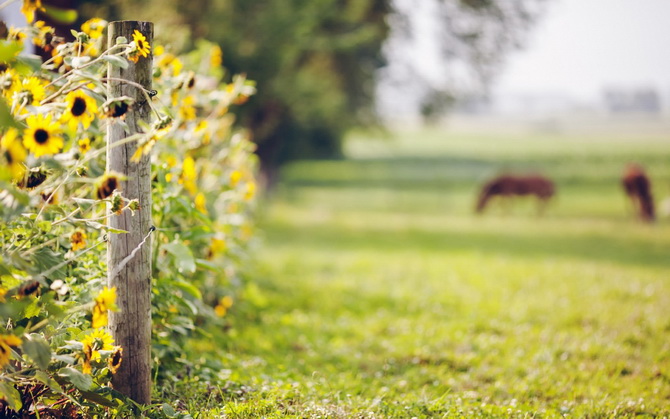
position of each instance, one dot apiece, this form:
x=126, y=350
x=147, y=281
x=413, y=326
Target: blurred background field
x=440, y=169
x=381, y=294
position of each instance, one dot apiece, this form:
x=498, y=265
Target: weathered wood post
x=131, y=325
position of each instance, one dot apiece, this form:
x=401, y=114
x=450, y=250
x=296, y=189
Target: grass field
x=378, y=293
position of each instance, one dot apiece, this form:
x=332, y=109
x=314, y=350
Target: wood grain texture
x=131, y=325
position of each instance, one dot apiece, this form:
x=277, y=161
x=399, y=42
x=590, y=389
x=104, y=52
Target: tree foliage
x=316, y=61
x=473, y=38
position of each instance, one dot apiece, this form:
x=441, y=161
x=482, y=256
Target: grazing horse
x=516, y=185
x=638, y=188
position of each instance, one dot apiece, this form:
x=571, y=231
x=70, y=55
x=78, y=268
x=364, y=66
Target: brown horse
x=516, y=185
x=638, y=188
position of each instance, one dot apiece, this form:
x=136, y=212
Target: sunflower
x=235, y=177
x=51, y=197
x=29, y=7
x=224, y=304
x=190, y=82
x=14, y=153
x=92, y=344
x=6, y=343
x=250, y=192
x=29, y=288
x=98, y=340
x=117, y=107
x=201, y=203
x=187, y=110
x=8, y=79
x=56, y=58
x=115, y=359
x=217, y=246
x=202, y=129
x=78, y=240
x=42, y=136
x=80, y=108
x=29, y=91
x=216, y=57
x=45, y=35
x=104, y=302
x=106, y=185
x=107, y=298
x=36, y=177
x=84, y=145
x=142, y=47
x=88, y=354
x=94, y=27
x=168, y=61
x=189, y=175
x=100, y=317
x=16, y=34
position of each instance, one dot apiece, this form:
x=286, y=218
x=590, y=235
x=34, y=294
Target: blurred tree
x=315, y=61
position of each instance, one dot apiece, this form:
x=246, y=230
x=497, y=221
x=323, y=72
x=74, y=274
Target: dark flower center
x=9, y=157
x=35, y=178
x=29, y=288
x=119, y=109
x=78, y=107
x=116, y=358
x=41, y=136
x=107, y=187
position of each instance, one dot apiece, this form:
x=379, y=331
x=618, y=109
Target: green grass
x=379, y=294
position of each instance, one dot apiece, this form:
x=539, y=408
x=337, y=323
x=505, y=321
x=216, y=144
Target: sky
x=580, y=47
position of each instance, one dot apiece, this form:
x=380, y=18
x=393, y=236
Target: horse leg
x=632, y=205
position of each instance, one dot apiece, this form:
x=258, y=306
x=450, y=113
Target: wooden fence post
x=131, y=325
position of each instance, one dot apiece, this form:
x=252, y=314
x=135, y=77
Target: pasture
x=379, y=293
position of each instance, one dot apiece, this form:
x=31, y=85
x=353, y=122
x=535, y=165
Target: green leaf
x=206, y=264
x=184, y=260
x=32, y=310
x=38, y=349
x=42, y=377
x=81, y=381
x=116, y=61
x=189, y=288
x=9, y=50
x=65, y=358
x=168, y=410
x=4, y=269
x=98, y=226
x=33, y=62
x=45, y=259
x=11, y=395
x=44, y=225
x=14, y=308
x=60, y=15
x=98, y=398
x=6, y=118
